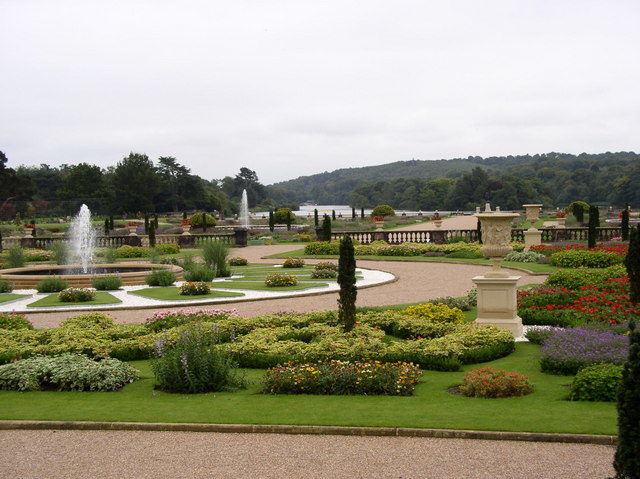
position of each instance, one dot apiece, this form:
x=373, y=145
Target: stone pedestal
x=532, y=237
x=497, y=303
x=533, y=212
x=561, y=221
x=240, y=236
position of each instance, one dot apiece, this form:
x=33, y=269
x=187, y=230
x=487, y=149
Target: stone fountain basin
x=131, y=274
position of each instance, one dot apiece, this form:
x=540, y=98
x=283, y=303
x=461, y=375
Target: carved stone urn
x=438, y=223
x=533, y=212
x=496, y=238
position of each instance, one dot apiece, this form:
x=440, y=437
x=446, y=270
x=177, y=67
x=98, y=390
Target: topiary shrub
x=575, y=279
x=293, y=263
x=436, y=313
x=67, y=372
x=160, y=277
x=284, y=216
x=196, y=288
x=383, y=210
x=127, y=251
x=585, y=259
x=51, y=285
x=76, y=295
x=488, y=382
x=107, y=283
x=169, y=248
x=599, y=382
x=5, y=286
x=197, y=220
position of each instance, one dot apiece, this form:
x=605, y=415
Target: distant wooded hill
x=551, y=178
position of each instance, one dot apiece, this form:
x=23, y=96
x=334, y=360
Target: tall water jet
x=82, y=237
x=244, y=210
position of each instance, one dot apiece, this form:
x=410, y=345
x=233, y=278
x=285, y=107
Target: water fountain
x=82, y=239
x=244, y=210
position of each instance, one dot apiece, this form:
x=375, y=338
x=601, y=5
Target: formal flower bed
x=548, y=250
x=489, y=382
x=238, y=261
x=195, y=288
x=76, y=295
x=173, y=318
x=14, y=321
x=381, y=248
x=343, y=377
x=293, y=263
x=276, y=280
x=67, y=372
x=566, y=351
x=435, y=312
x=585, y=259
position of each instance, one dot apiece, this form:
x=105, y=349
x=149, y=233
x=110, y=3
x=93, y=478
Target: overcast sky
x=291, y=88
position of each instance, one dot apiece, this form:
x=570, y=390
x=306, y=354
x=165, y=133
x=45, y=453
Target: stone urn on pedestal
x=133, y=228
x=379, y=222
x=561, y=219
x=497, y=301
x=532, y=236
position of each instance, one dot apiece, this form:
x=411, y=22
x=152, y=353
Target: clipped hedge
x=585, y=259
x=599, y=382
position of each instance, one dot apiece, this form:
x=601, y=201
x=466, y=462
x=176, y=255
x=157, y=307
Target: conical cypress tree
x=184, y=215
x=594, y=222
x=353, y=213
x=627, y=457
x=347, y=282
x=632, y=263
x=152, y=235
x=361, y=213
x=272, y=223
x=0, y=240
x=479, y=228
x=289, y=221
x=156, y=223
x=624, y=225
x=106, y=226
x=326, y=228
x=333, y=215
x=316, y=221
x=112, y=223
x=146, y=223
x=578, y=212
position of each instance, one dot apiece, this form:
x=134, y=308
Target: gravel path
x=417, y=281
x=189, y=455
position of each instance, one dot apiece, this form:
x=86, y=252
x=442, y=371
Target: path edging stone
x=311, y=430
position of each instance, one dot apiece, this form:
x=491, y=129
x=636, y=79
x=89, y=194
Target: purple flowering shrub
x=566, y=351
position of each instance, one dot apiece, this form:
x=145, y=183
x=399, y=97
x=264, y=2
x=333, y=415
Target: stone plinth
x=497, y=303
x=532, y=237
x=533, y=212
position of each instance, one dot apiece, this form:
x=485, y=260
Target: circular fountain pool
x=130, y=273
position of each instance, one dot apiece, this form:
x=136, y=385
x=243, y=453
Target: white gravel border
x=370, y=277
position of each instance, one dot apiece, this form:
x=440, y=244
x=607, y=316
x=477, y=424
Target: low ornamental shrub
x=342, y=377
x=326, y=265
x=529, y=257
x=599, y=382
x=489, y=382
x=238, y=261
x=194, y=288
x=435, y=312
x=171, y=319
x=383, y=210
x=169, y=248
x=160, y=277
x=567, y=351
x=585, y=259
x=293, y=263
x=538, y=335
x=465, y=254
x=15, y=258
x=199, y=272
x=5, y=286
x=126, y=251
x=67, y=372
x=575, y=279
x=107, y=283
x=51, y=285
x=197, y=220
x=323, y=274
x=193, y=363
x=14, y=321
x=76, y=295
x=276, y=279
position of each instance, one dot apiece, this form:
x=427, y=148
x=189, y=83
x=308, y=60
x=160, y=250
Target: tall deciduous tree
x=347, y=281
x=173, y=176
x=135, y=183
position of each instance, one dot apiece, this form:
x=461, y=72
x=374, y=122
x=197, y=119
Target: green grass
x=4, y=297
x=171, y=293
x=546, y=410
x=260, y=286
x=52, y=300
x=532, y=267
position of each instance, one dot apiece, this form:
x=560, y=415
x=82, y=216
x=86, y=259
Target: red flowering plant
x=185, y=222
x=548, y=250
x=489, y=382
x=377, y=219
x=561, y=214
x=14, y=321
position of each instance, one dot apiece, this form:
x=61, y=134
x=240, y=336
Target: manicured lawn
x=4, y=297
x=52, y=300
x=260, y=286
x=546, y=410
x=532, y=267
x=171, y=293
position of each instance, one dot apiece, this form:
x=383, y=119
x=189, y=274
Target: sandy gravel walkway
x=189, y=455
x=416, y=282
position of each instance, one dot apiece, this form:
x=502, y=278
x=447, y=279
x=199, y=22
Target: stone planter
x=437, y=223
x=532, y=212
x=496, y=237
x=379, y=225
x=561, y=221
x=186, y=230
x=133, y=230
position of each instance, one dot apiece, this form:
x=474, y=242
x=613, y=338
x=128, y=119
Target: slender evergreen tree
x=146, y=223
x=627, y=458
x=347, y=281
x=204, y=221
x=333, y=215
x=152, y=235
x=479, y=228
x=106, y=226
x=594, y=222
x=361, y=213
x=632, y=263
x=272, y=223
x=156, y=223
x=288, y=221
x=353, y=213
x=326, y=228
x=0, y=240
x=316, y=221
x=112, y=224
x=578, y=212
x=184, y=215
x=624, y=225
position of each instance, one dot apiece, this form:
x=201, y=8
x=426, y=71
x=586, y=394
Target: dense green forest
x=138, y=184
x=551, y=178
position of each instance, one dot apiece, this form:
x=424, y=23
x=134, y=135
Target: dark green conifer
x=316, y=221
x=347, y=282
x=326, y=228
x=152, y=235
x=624, y=225
x=594, y=222
x=272, y=223
x=632, y=263
x=333, y=215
